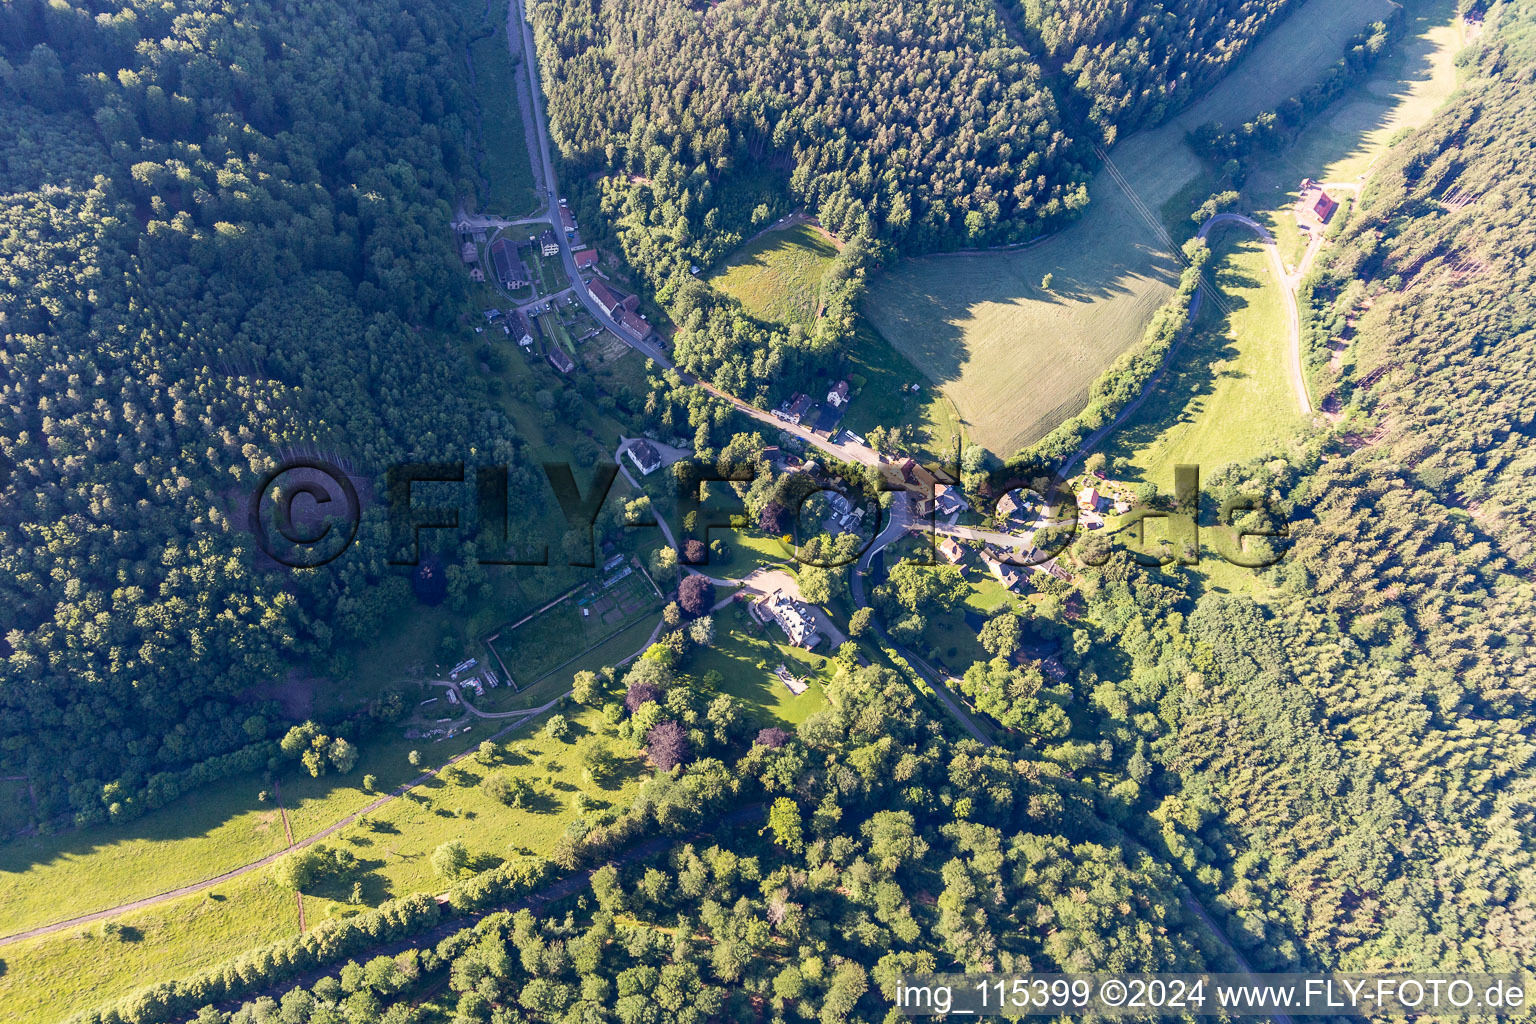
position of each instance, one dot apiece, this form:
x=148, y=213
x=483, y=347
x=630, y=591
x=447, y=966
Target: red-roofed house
x=585, y=258
x=604, y=296
x=1324, y=206
x=635, y=324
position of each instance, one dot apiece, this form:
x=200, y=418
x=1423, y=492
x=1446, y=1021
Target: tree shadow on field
x=927, y=303
x=1191, y=378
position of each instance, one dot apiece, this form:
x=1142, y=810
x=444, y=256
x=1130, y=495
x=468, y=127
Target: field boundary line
x=193, y=888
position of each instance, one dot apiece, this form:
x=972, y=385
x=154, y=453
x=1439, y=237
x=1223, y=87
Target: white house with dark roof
x=645, y=456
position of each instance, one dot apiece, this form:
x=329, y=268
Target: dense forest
x=224, y=237
x=872, y=844
x=1349, y=763
x=905, y=127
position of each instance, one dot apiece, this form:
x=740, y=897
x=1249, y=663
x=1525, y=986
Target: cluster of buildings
x=625, y=309
x=845, y=514
x=821, y=417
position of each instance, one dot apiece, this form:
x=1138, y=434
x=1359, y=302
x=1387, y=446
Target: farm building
x=559, y=360
x=1324, y=206
x=517, y=328
x=605, y=296
x=509, y=268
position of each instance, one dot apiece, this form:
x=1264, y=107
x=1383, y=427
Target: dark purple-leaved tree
x=696, y=596
x=667, y=743
x=772, y=737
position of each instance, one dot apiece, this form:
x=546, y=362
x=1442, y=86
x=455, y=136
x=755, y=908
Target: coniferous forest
x=223, y=241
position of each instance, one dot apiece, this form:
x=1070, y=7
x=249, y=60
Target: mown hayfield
x=49, y=878
x=1017, y=358
x=777, y=276
x=51, y=978
x=1227, y=398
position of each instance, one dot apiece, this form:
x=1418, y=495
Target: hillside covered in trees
x=905, y=127
x=224, y=236
x=1350, y=762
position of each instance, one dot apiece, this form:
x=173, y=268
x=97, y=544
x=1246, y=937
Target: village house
x=951, y=551
x=1009, y=507
x=1009, y=575
x=1324, y=206
x=567, y=221
x=1089, y=499
x=518, y=329
x=559, y=360
x=793, y=411
x=549, y=245
x=634, y=324
x=645, y=457
x=838, y=396
x=948, y=500
x=586, y=259
x=611, y=301
x=826, y=420
x=509, y=267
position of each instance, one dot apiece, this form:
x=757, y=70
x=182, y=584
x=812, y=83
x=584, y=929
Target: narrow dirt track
x=229, y=876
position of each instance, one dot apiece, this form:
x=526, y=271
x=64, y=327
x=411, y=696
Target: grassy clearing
x=394, y=849
x=883, y=379
x=1016, y=358
x=1346, y=140
x=48, y=979
x=745, y=655
x=49, y=878
x=778, y=275
x=507, y=167
x=1228, y=397
x=747, y=550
